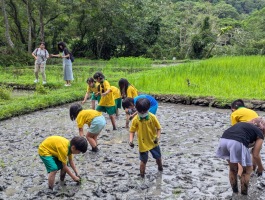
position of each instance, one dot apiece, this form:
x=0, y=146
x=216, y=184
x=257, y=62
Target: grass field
x=225, y=78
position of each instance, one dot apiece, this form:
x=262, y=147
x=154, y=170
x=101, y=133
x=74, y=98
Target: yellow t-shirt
x=243, y=115
x=93, y=89
x=86, y=117
x=132, y=91
x=107, y=100
x=116, y=92
x=56, y=146
x=146, y=131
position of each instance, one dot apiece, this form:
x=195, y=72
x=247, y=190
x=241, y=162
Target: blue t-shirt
x=152, y=100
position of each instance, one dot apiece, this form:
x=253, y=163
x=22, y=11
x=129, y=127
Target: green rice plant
x=225, y=77
x=40, y=89
x=2, y=164
x=130, y=62
x=5, y=93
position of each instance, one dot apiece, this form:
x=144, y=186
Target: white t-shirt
x=42, y=55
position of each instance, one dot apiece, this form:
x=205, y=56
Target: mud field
x=189, y=140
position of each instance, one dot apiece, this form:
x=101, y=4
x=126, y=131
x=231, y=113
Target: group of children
x=140, y=110
x=247, y=131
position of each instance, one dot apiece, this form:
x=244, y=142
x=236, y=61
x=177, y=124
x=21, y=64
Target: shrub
x=15, y=57
x=40, y=89
x=5, y=93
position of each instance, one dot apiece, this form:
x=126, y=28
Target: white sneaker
x=36, y=81
x=44, y=82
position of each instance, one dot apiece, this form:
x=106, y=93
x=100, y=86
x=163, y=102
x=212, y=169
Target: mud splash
x=189, y=139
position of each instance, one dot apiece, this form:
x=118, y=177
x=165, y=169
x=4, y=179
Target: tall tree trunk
x=15, y=15
x=41, y=23
x=8, y=38
x=29, y=26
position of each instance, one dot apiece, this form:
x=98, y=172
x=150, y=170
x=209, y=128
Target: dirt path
x=189, y=139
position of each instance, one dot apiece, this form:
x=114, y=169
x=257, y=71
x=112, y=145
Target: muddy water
x=189, y=139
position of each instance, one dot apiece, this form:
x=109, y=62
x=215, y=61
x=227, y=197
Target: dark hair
x=127, y=102
x=123, y=84
x=237, y=103
x=98, y=75
x=74, y=110
x=90, y=80
x=142, y=105
x=80, y=143
x=42, y=43
x=64, y=48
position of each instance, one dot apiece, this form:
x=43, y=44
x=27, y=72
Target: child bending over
x=94, y=119
x=54, y=151
x=92, y=91
x=107, y=101
x=128, y=105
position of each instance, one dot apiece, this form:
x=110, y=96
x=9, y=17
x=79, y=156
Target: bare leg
x=117, y=112
x=142, y=168
x=233, y=168
x=127, y=121
x=112, y=118
x=62, y=175
x=51, y=179
x=90, y=138
x=159, y=164
x=245, y=179
x=240, y=170
x=93, y=104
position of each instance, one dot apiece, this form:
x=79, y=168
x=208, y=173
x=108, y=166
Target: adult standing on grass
x=41, y=55
x=233, y=147
x=67, y=63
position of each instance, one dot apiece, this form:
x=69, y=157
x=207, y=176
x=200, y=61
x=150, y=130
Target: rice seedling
x=225, y=77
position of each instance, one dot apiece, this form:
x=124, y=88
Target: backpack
x=38, y=50
x=44, y=54
x=72, y=57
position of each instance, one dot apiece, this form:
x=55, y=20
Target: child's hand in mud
x=131, y=145
x=77, y=179
x=156, y=140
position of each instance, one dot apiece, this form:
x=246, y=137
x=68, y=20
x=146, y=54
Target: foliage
x=5, y=93
x=40, y=89
x=14, y=57
x=155, y=29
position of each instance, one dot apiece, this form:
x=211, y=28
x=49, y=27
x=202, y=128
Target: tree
x=7, y=34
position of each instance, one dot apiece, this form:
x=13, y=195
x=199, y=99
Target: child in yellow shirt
x=94, y=119
x=117, y=98
x=92, y=90
x=54, y=151
x=107, y=101
x=127, y=89
x=148, y=133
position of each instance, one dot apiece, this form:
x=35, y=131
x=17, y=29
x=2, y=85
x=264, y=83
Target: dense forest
x=158, y=29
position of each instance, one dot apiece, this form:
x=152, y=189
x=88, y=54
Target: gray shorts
x=234, y=151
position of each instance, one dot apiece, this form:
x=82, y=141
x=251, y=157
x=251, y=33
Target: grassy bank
x=54, y=92
x=225, y=78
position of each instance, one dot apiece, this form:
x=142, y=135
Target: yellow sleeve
x=234, y=119
x=62, y=154
x=156, y=123
x=134, y=126
x=80, y=121
x=106, y=86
